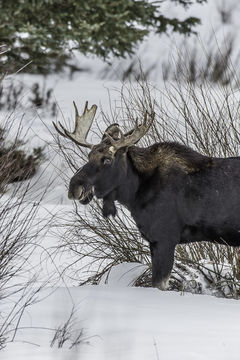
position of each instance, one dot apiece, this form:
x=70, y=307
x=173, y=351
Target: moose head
x=106, y=168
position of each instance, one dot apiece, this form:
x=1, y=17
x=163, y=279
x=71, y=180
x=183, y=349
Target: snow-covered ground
x=118, y=322
x=129, y=324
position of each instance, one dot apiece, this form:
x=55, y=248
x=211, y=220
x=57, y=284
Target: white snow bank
x=124, y=274
x=130, y=324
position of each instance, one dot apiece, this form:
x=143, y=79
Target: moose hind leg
x=162, y=264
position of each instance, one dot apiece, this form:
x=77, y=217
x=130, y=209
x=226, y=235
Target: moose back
x=174, y=194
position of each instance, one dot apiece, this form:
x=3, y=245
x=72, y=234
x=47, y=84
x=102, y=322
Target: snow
x=124, y=274
x=118, y=321
x=130, y=323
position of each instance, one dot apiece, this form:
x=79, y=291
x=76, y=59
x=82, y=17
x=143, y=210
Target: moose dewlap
x=174, y=194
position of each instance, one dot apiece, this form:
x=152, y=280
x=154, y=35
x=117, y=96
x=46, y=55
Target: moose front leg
x=162, y=254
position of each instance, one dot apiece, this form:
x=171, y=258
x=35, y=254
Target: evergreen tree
x=42, y=30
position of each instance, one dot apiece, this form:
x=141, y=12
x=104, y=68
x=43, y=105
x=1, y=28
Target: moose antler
x=134, y=135
x=83, y=124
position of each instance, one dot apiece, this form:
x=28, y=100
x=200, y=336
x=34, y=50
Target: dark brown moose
x=174, y=194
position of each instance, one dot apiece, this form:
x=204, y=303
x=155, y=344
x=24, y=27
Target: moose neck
x=126, y=192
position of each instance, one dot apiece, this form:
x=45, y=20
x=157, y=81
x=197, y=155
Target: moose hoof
x=163, y=284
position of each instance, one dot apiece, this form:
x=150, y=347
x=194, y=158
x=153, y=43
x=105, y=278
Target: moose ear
x=112, y=130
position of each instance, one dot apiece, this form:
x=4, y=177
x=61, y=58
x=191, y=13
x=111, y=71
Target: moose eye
x=107, y=161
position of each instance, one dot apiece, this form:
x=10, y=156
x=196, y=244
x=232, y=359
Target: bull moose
x=175, y=194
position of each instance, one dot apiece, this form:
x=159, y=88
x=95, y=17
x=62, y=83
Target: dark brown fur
x=168, y=155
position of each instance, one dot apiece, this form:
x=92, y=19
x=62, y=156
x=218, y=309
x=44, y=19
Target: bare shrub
x=205, y=118
x=195, y=60
x=12, y=93
x=102, y=243
x=132, y=70
x=15, y=164
x=225, y=11
x=21, y=229
x=66, y=334
x=203, y=63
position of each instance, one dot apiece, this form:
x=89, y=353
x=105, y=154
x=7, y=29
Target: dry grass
x=20, y=230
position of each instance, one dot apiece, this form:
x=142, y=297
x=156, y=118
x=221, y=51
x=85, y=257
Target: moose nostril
x=76, y=192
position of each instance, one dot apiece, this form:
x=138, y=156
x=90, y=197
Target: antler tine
x=59, y=131
x=133, y=136
x=82, y=126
